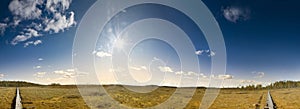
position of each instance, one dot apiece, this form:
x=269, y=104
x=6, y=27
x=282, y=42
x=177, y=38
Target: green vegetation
x=284, y=84
x=276, y=85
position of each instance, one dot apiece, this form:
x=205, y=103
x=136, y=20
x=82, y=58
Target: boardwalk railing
x=18, y=100
x=270, y=102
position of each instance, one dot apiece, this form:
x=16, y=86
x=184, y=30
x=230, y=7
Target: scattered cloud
x=3, y=27
x=54, y=5
x=165, y=69
x=156, y=59
x=39, y=74
x=35, y=43
x=60, y=22
x=225, y=76
x=60, y=72
x=37, y=67
x=212, y=53
x=199, y=52
x=190, y=73
x=69, y=73
x=102, y=54
x=25, y=36
x=235, y=14
x=1, y=75
x=247, y=81
x=65, y=76
x=45, y=16
x=138, y=68
x=25, y=9
x=209, y=53
x=40, y=59
x=258, y=74
x=70, y=70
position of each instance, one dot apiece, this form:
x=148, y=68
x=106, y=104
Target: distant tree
x=242, y=87
x=258, y=86
x=54, y=84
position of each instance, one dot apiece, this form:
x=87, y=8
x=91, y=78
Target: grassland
x=68, y=97
x=287, y=98
x=6, y=97
x=51, y=98
x=240, y=99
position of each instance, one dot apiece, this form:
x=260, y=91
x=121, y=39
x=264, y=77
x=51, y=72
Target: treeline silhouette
x=276, y=85
x=17, y=84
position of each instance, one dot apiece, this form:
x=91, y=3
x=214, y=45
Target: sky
x=261, y=40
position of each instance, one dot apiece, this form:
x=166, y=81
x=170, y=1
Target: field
x=51, y=98
x=287, y=98
x=68, y=97
x=6, y=97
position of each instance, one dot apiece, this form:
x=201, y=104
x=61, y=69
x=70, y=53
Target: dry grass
x=51, y=98
x=286, y=98
x=240, y=99
x=69, y=98
x=6, y=97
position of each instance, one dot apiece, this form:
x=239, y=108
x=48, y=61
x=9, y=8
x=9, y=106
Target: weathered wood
x=18, y=100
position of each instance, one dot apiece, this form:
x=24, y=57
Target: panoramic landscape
x=35, y=96
x=154, y=54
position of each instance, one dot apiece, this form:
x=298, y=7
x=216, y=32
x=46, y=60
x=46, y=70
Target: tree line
x=276, y=85
x=17, y=84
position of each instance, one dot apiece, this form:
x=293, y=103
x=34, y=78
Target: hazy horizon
x=261, y=41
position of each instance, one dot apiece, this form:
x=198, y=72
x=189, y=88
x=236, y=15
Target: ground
x=68, y=97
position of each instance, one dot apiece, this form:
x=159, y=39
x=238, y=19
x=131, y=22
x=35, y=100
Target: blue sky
x=261, y=38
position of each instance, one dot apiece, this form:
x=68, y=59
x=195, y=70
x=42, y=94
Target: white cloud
x=2, y=28
x=25, y=36
x=1, y=75
x=138, y=68
x=60, y=22
x=39, y=74
x=102, y=54
x=199, y=52
x=70, y=70
x=19, y=38
x=60, y=72
x=54, y=5
x=190, y=73
x=247, y=81
x=6, y=19
x=234, y=14
x=32, y=32
x=259, y=74
x=225, y=76
x=15, y=22
x=209, y=53
x=165, y=69
x=37, y=42
x=69, y=73
x=37, y=67
x=25, y=9
x=40, y=59
x=212, y=53
x=65, y=76
x=156, y=59
x=45, y=16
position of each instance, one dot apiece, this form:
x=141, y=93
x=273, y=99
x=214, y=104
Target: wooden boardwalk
x=270, y=103
x=18, y=100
